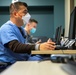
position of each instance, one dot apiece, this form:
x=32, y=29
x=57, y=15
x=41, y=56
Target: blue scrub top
x=9, y=32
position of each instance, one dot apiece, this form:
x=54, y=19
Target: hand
x=38, y=42
x=49, y=40
x=49, y=45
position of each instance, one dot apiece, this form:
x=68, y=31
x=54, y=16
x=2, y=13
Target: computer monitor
x=72, y=26
x=63, y=31
x=58, y=34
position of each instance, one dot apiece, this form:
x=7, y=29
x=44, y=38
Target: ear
x=15, y=14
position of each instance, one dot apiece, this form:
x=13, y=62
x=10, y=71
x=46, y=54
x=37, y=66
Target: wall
x=74, y=2
x=56, y=19
x=67, y=17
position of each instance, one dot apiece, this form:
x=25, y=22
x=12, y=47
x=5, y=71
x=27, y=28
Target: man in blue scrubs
x=30, y=28
x=12, y=37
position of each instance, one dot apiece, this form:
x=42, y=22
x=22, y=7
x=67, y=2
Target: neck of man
x=15, y=22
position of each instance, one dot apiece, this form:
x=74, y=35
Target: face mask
x=26, y=18
x=33, y=30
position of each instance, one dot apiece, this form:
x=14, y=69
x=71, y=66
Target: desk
x=40, y=68
x=54, y=52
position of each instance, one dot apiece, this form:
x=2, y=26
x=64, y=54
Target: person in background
x=12, y=36
x=30, y=28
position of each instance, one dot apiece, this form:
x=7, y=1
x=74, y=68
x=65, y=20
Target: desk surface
x=54, y=52
x=40, y=68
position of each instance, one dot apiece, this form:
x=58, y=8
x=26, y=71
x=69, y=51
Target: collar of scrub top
x=13, y=1
x=22, y=32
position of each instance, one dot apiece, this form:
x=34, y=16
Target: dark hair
x=16, y=6
x=33, y=20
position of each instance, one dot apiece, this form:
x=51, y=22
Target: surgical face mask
x=26, y=18
x=33, y=30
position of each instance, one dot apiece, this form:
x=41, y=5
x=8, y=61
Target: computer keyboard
x=58, y=47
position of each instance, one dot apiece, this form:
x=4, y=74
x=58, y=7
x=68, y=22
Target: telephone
x=66, y=45
x=70, y=43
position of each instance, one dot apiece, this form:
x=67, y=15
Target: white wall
x=67, y=17
x=74, y=2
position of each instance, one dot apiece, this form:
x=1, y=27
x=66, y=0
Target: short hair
x=33, y=20
x=16, y=6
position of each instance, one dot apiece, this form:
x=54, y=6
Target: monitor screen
x=63, y=31
x=72, y=26
x=58, y=34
